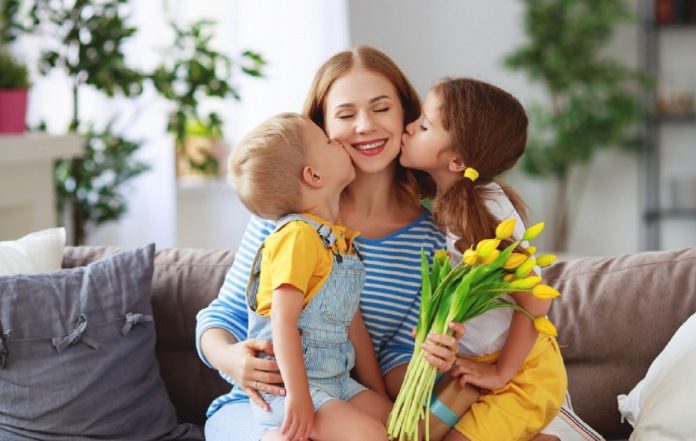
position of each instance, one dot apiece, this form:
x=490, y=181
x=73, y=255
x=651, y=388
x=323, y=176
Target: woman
x=363, y=100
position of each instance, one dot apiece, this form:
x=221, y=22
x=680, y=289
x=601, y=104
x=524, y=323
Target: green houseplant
x=86, y=44
x=88, y=37
x=14, y=85
x=192, y=70
x=594, y=100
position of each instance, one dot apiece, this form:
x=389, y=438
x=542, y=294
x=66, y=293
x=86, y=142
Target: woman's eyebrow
x=372, y=101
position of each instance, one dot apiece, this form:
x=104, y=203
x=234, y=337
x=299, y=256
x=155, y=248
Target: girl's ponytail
x=488, y=130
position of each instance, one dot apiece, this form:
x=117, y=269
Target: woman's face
x=364, y=113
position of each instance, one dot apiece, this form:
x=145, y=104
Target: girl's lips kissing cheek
x=370, y=148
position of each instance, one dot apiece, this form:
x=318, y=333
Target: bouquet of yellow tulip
x=460, y=293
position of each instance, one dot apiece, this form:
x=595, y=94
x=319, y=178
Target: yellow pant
x=524, y=406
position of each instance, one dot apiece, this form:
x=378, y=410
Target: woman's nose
x=364, y=123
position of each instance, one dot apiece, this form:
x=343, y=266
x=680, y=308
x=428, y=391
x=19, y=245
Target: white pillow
x=661, y=405
x=38, y=252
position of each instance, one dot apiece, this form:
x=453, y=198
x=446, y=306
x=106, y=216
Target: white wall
x=453, y=37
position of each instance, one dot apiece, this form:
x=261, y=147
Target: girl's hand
x=251, y=373
x=485, y=376
x=441, y=349
x=299, y=417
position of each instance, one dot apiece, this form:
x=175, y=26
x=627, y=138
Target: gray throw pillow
x=77, y=355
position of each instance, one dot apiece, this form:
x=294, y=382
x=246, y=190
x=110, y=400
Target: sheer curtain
x=294, y=37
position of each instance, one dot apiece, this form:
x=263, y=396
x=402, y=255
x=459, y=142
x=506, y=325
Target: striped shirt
x=390, y=300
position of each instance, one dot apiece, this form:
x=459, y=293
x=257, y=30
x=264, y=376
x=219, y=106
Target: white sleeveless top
x=487, y=333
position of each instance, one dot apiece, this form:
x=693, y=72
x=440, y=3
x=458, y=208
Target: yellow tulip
x=508, y=277
x=545, y=292
x=526, y=283
x=531, y=250
x=544, y=326
x=486, y=247
x=523, y=270
x=515, y=260
x=505, y=229
x=533, y=231
x=470, y=257
x=494, y=255
x=442, y=255
x=546, y=260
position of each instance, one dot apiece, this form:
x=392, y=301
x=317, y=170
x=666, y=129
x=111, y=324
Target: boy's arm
x=288, y=302
x=366, y=366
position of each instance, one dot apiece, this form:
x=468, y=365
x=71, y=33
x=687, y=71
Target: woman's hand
x=485, y=376
x=441, y=349
x=240, y=361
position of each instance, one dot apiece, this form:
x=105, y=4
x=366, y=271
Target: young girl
x=305, y=285
x=468, y=134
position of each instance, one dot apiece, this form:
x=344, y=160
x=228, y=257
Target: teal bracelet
x=444, y=413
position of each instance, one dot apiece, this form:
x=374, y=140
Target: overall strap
x=326, y=234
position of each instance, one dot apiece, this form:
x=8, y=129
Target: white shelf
x=27, y=189
x=36, y=147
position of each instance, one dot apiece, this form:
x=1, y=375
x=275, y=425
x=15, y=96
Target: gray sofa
x=614, y=317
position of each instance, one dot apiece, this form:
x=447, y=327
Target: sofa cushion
x=37, y=252
x=661, y=404
x=614, y=317
x=79, y=359
x=184, y=282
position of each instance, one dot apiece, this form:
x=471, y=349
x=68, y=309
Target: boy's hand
x=485, y=376
x=299, y=417
x=441, y=349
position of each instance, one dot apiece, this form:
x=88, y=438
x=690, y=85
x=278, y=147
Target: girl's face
x=364, y=113
x=426, y=144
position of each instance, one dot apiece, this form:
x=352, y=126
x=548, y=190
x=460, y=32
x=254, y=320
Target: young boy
x=305, y=285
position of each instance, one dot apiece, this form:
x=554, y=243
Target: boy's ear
x=457, y=165
x=311, y=177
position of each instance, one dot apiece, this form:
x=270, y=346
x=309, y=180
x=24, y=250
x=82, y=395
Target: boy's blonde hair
x=265, y=167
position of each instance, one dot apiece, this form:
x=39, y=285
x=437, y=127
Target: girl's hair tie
x=471, y=173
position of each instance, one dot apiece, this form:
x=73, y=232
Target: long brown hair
x=412, y=183
x=488, y=131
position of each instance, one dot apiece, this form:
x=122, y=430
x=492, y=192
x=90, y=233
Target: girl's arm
x=366, y=366
x=519, y=342
x=288, y=302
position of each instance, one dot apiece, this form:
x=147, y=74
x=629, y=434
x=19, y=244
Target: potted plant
x=191, y=71
x=594, y=101
x=14, y=85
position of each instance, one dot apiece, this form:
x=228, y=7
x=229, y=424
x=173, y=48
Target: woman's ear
x=311, y=177
x=457, y=165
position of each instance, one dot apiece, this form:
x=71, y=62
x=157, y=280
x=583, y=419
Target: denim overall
x=323, y=324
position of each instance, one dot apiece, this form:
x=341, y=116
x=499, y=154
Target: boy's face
x=328, y=157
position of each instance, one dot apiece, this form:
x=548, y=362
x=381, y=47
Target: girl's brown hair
x=412, y=184
x=488, y=131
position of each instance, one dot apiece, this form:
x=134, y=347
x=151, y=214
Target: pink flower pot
x=13, y=110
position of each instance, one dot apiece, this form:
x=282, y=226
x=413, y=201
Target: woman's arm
x=366, y=366
x=221, y=327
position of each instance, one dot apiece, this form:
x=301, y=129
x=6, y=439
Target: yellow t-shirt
x=296, y=255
